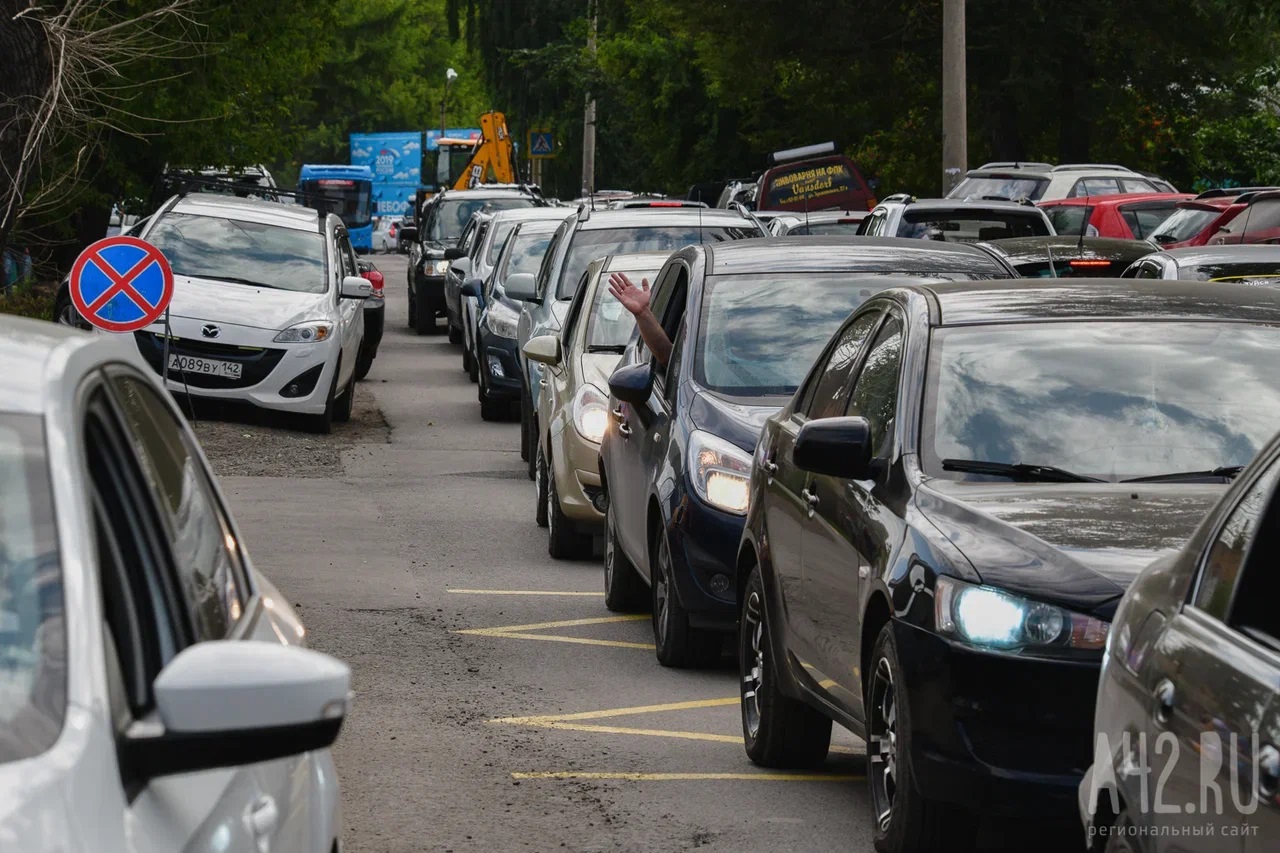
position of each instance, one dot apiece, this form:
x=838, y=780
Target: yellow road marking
x=619, y=712
x=693, y=777
x=521, y=592
x=523, y=632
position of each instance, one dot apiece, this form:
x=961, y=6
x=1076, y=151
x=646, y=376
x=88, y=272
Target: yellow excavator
x=463, y=163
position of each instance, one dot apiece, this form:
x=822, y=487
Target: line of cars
x=909, y=482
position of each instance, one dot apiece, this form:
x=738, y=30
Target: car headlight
x=590, y=413
x=501, y=320
x=985, y=616
x=438, y=267
x=312, y=332
x=721, y=472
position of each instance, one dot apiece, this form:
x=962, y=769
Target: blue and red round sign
x=121, y=284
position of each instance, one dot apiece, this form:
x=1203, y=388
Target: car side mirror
x=460, y=266
x=632, y=384
x=836, y=447
x=543, y=348
x=225, y=703
x=522, y=287
x=408, y=233
x=355, y=287
x=471, y=289
x=454, y=253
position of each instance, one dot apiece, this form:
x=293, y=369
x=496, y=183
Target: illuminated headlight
x=501, y=320
x=306, y=333
x=438, y=267
x=721, y=472
x=985, y=616
x=590, y=413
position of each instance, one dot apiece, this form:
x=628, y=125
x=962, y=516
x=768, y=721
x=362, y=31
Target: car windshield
x=970, y=226
x=1110, y=400
x=1183, y=224
x=588, y=245
x=1000, y=186
x=760, y=333
x=610, y=325
x=849, y=227
x=33, y=656
x=242, y=252
x=453, y=213
x=1069, y=218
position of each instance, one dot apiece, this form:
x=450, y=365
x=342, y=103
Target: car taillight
x=1087, y=263
x=375, y=279
x=665, y=204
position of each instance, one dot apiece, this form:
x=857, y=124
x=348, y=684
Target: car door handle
x=624, y=430
x=618, y=414
x=810, y=498
x=1165, y=695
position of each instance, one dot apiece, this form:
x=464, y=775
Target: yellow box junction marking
x=693, y=777
x=573, y=722
x=523, y=592
x=525, y=632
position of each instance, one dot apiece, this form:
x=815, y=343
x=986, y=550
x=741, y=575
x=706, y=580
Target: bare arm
x=636, y=300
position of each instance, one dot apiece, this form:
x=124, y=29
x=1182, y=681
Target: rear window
x=1183, y=224
x=825, y=183
x=1259, y=223
x=1143, y=221
x=971, y=226
x=453, y=213
x=1007, y=187
x=842, y=227
x=589, y=245
x=1069, y=218
x=1074, y=268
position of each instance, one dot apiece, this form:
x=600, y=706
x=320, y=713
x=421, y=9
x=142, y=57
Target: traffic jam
x=968, y=496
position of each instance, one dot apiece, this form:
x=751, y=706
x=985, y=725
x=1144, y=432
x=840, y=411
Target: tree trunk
x=25, y=75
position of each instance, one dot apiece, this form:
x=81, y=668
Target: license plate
x=208, y=366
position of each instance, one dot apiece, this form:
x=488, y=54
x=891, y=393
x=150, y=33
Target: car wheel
x=455, y=334
x=322, y=423
x=624, y=590
x=676, y=643
x=413, y=312
x=364, y=363
x=467, y=363
x=343, y=405
x=65, y=314
x=474, y=373
x=424, y=318
x=778, y=731
x=493, y=410
x=904, y=822
x=524, y=429
x=540, y=488
x=564, y=542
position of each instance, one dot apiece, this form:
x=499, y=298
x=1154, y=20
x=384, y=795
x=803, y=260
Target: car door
x=852, y=530
x=1212, y=684
x=789, y=513
x=147, y=624
x=213, y=584
x=351, y=311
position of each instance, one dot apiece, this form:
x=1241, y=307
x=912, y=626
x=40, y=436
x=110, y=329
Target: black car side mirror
x=836, y=447
x=407, y=233
x=472, y=289
x=632, y=384
x=453, y=254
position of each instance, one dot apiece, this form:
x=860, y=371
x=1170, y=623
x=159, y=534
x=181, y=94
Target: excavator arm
x=493, y=158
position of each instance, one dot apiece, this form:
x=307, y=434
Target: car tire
x=474, y=361
x=524, y=429
x=467, y=361
x=322, y=424
x=564, y=541
x=455, y=333
x=493, y=410
x=364, y=363
x=424, y=318
x=778, y=731
x=676, y=643
x=540, y=488
x=905, y=821
x=413, y=312
x=624, y=589
x=343, y=405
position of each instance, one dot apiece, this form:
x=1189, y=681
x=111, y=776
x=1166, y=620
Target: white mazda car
x=266, y=306
x=155, y=694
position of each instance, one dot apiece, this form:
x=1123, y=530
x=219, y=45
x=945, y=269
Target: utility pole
x=955, y=133
x=589, y=118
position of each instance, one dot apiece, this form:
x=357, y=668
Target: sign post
x=123, y=284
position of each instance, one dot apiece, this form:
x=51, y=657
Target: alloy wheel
x=552, y=499
x=662, y=594
x=753, y=667
x=609, y=546
x=882, y=742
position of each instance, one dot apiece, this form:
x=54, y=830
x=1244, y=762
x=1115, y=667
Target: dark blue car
x=747, y=319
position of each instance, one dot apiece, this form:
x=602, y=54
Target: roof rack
x=1079, y=167
x=1224, y=192
x=804, y=152
x=904, y=198
x=632, y=203
x=1017, y=164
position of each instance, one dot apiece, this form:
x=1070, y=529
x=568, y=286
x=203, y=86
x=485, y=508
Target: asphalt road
x=499, y=705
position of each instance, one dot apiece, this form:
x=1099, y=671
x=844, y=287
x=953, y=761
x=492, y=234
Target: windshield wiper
x=618, y=348
x=1227, y=472
x=1018, y=471
x=239, y=281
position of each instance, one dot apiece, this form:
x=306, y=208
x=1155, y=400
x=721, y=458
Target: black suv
x=442, y=220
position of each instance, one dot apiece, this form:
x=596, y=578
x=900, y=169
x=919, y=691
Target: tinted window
x=1183, y=224
x=1259, y=223
x=761, y=333
x=454, y=212
x=970, y=226
x=586, y=246
x=1106, y=399
x=1263, y=273
x=875, y=394
x=208, y=571
x=611, y=325
x=1222, y=564
x=1143, y=221
x=831, y=391
x=1069, y=218
x=242, y=252
x=33, y=653
x=1010, y=187
x=1095, y=186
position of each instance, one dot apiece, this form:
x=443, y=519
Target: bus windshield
x=351, y=199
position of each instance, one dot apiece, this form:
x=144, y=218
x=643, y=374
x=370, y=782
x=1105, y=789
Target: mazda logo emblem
x=210, y=331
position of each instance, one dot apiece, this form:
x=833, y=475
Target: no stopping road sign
x=121, y=284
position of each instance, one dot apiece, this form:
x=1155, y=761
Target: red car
x=1127, y=216
x=1258, y=221
x=1198, y=221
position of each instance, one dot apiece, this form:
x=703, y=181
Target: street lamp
x=449, y=77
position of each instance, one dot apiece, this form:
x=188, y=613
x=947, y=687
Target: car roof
x=635, y=261
x=1249, y=253
x=1055, y=300
x=248, y=210
x=963, y=204
x=485, y=192
x=1048, y=170
x=1114, y=199
x=524, y=214
x=661, y=217
x=1067, y=245
x=855, y=254
x=29, y=349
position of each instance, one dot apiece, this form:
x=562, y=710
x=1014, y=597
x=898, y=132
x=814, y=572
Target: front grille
x=257, y=362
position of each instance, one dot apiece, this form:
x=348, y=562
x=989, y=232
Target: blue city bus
x=346, y=191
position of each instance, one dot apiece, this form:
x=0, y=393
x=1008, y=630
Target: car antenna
x=700, y=239
x=1053, y=273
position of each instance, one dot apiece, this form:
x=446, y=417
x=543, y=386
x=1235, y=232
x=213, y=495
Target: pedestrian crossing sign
x=542, y=144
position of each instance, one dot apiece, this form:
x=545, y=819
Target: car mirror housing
x=521, y=287
x=407, y=233
x=224, y=703
x=356, y=287
x=544, y=348
x=632, y=384
x=454, y=254
x=835, y=447
x=460, y=267
x=472, y=289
